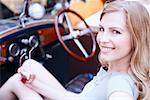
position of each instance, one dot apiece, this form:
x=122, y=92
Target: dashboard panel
x=38, y=40
x=17, y=41
x=34, y=41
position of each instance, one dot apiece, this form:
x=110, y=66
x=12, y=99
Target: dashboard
x=38, y=40
x=18, y=41
x=35, y=41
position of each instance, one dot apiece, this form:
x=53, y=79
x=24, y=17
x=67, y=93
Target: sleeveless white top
x=104, y=84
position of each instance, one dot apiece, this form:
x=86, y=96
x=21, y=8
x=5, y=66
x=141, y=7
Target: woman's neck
x=118, y=66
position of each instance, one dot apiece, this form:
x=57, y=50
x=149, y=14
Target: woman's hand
x=40, y=80
x=26, y=75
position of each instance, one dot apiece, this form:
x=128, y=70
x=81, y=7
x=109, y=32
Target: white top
x=104, y=84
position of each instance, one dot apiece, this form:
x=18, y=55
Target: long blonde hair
x=138, y=24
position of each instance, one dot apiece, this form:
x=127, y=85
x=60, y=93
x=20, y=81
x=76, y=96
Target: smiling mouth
x=106, y=49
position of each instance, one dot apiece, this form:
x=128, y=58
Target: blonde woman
x=124, y=42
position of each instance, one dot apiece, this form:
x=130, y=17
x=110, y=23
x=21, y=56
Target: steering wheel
x=75, y=35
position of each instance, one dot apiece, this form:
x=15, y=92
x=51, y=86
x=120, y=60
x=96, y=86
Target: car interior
x=68, y=52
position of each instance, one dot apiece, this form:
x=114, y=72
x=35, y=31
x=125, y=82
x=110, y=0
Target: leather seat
x=77, y=84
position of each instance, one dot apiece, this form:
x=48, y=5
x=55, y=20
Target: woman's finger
x=26, y=76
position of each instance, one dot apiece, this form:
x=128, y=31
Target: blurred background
x=12, y=8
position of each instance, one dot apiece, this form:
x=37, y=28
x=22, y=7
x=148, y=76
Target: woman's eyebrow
x=100, y=25
x=116, y=28
x=113, y=27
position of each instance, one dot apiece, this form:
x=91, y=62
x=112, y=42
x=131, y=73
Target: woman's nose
x=103, y=37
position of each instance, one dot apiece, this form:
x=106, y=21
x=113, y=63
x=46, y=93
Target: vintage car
x=68, y=52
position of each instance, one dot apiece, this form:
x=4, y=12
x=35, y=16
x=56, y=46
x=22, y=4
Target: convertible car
x=68, y=52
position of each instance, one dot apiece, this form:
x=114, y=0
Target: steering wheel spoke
x=67, y=37
x=85, y=32
x=80, y=46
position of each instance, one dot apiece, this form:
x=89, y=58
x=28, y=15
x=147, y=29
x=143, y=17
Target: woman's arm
x=33, y=67
x=45, y=83
x=14, y=89
x=50, y=92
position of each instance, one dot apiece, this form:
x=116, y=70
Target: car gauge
x=33, y=41
x=14, y=49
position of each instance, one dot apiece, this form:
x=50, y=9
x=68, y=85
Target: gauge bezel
x=11, y=49
x=33, y=38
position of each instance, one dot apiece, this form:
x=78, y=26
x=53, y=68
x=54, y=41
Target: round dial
x=33, y=41
x=14, y=49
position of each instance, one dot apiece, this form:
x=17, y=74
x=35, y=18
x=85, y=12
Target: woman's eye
x=101, y=29
x=116, y=32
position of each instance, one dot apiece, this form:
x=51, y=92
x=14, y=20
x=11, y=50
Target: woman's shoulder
x=121, y=76
x=122, y=82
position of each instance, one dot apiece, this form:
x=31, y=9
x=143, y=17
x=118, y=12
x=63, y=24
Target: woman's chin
x=106, y=58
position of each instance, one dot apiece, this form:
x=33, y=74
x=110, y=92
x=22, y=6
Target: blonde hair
x=138, y=24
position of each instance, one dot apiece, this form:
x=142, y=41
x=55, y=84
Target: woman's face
x=114, y=38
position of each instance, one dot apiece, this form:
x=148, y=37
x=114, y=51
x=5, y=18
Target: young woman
x=124, y=41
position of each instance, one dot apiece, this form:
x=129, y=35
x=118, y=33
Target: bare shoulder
x=120, y=96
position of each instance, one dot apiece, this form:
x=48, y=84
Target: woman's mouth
x=106, y=49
